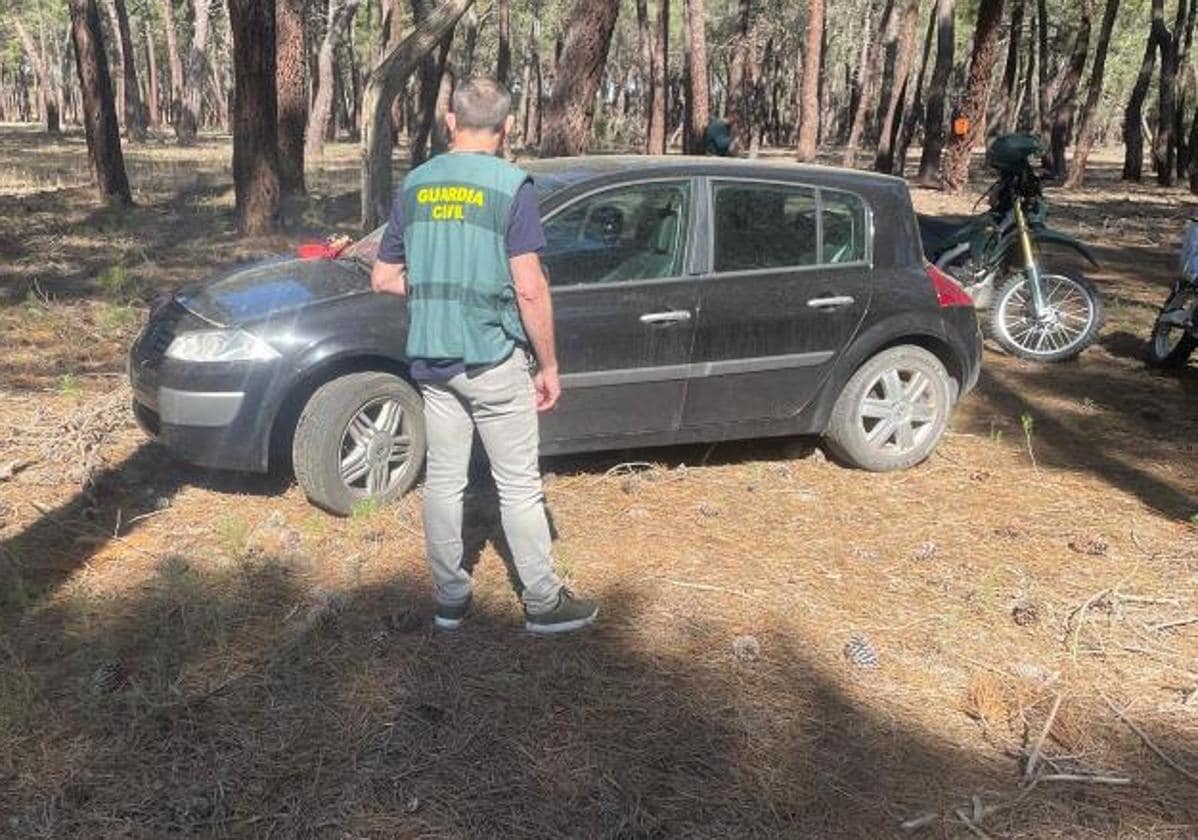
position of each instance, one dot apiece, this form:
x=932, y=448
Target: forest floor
x=183, y=652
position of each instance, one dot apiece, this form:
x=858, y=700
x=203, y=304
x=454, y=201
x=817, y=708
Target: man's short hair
x=481, y=103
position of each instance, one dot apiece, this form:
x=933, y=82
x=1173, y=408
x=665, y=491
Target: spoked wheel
x=359, y=437
x=1171, y=342
x=893, y=410
x=1071, y=321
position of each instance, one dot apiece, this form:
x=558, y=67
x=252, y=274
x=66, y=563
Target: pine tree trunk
x=47, y=105
x=884, y=160
x=383, y=84
x=1045, y=92
x=1194, y=145
x=292, y=67
x=809, y=116
x=1010, y=76
x=1185, y=85
x=660, y=106
x=1085, y=133
x=1066, y=103
x=340, y=15
x=153, y=92
x=99, y=111
x=1164, y=144
x=174, y=61
x=738, y=103
x=136, y=118
x=432, y=73
x=915, y=113
x=1027, y=114
x=117, y=73
x=698, y=93
x=188, y=122
x=255, y=116
x=504, y=62
x=977, y=88
x=571, y=110
x=1133, y=115
x=870, y=55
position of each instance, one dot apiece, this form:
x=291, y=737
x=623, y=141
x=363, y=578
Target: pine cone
x=858, y=651
x=108, y=677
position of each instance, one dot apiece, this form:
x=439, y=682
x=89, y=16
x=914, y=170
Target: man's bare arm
x=389, y=278
x=536, y=311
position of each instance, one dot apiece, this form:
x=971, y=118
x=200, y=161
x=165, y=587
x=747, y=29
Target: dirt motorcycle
x=1036, y=312
x=1175, y=333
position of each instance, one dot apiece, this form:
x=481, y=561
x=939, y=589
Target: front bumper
x=214, y=415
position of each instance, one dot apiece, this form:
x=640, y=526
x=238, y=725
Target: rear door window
x=767, y=226
x=764, y=226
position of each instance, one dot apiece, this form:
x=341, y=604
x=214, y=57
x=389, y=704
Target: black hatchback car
x=696, y=300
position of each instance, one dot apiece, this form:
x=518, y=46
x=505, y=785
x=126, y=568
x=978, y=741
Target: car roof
x=553, y=175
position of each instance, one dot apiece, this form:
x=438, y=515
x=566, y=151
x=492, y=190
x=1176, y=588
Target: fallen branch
x=1079, y=777
x=919, y=822
x=12, y=468
x=964, y=818
x=1081, y=618
x=1148, y=741
x=704, y=587
x=1180, y=622
x=1034, y=757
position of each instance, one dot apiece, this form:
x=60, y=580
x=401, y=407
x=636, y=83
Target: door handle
x=676, y=317
x=834, y=302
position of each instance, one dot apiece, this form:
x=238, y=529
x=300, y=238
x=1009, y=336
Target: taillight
x=948, y=291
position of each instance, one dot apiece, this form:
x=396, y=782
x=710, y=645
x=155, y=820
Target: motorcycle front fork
x=1030, y=266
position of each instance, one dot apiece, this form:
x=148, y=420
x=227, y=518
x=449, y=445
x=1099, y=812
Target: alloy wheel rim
x=1069, y=313
x=375, y=447
x=899, y=411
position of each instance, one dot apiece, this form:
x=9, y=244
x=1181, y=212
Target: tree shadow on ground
x=1130, y=427
x=111, y=508
x=238, y=700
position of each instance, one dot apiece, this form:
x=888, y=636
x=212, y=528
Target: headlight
x=220, y=346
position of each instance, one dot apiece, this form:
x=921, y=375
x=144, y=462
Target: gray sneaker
x=449, y=616
x=568, y=615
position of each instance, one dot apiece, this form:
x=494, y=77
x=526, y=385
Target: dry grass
x=190, y=653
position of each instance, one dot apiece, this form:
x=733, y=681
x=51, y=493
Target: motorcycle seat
x=940, y=232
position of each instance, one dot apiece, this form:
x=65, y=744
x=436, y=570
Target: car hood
x=263, y=290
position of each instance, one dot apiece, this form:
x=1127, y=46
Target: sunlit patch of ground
x=188, y=652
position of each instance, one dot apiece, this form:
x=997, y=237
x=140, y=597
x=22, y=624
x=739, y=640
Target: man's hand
x=388, y=278
x=548, y=389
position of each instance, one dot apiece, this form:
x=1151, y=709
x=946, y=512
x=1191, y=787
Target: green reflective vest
x=461, y=301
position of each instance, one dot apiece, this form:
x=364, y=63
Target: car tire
x=906, y=387
x=387, y=437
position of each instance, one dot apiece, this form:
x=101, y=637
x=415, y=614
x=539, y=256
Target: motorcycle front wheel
x=1170, y=345
x=1071, y=322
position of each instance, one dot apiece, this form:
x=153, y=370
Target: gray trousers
x=500, y=403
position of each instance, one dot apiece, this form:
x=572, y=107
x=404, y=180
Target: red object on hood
x=326, y=250
x=316, y=251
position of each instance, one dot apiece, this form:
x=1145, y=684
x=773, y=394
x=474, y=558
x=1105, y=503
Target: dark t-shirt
x=525, y=235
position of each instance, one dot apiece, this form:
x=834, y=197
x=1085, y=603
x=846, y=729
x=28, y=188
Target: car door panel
x=624, y=310
x=766, y=337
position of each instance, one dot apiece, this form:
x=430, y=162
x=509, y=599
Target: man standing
x=462, y=245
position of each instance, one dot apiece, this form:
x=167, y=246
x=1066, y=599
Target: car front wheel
x=360, y=437
x=893, y=411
